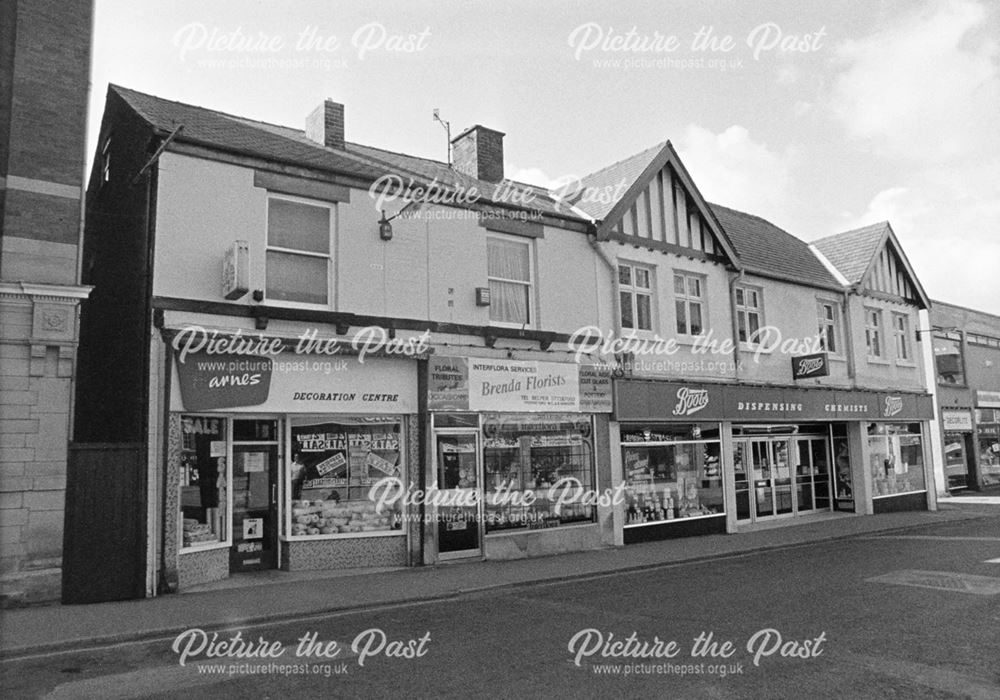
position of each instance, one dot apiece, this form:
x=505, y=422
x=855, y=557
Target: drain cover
x=941, y=580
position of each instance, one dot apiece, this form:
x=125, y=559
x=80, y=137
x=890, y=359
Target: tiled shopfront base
x=344, y=553
x=538, y=543
x=202, y=567
x=895, y=504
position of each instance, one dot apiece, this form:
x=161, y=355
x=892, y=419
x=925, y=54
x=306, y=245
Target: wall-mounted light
x=260, y=323
x=342, y=328
x=385, y=223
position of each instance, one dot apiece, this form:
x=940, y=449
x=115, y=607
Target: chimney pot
x=478, y=152
x=325, y=125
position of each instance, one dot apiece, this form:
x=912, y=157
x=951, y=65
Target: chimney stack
x=325, y=125
x=478, y=152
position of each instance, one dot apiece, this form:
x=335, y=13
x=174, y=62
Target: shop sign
x=960, y=421
x=808, y=366
x=516, y=386
x=208, y=382
x=236, y=270
x=988, y=399
x=292, y=383
x=656, y=401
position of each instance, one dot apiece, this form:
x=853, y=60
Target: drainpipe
x=849, y=338
x=612, y=266
x=734, y=322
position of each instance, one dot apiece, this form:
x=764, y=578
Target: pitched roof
x=607, y=179
x=854, y=252
x=231, y=133
x=767, y=250
x=851, y=252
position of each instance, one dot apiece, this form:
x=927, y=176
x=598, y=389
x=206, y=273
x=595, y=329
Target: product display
x=531, y=462
x=896, y=458
x=669, y=475
x=203, y=478
x=334, y=466
x=332, y=517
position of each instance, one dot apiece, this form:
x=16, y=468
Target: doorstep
x=272, y=577
x=793, y=520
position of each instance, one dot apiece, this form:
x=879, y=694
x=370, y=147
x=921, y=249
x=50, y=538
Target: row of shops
x=301, y=462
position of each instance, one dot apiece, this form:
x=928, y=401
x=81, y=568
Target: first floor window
x=509, y=273
x=901, y=328
x=298, y=251
x=828, y=324
x=748, y=313
x=688, y=303
x=334, y=464
x=873, y=332
x=949, y=359
x=204, y=502
x=635, y=291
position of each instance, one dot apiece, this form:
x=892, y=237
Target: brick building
x=44, y=86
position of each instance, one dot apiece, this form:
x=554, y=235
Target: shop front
x=272, y=460
x=704, y=458
x=519, y=462
x=988, y=445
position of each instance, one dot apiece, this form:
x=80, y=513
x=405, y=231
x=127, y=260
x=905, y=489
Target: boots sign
x=809, y=366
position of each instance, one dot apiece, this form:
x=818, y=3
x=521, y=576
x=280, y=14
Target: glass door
x=255, y=496
x=457, y=468
x=784, y=499
x=812, y=474
x=762, y=477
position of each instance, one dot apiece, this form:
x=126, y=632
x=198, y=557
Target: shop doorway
x=958, y=467
x=457, y=468
x=255, y=495
x=781, y=476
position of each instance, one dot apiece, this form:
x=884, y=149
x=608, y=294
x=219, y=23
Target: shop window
x=298, y=251
x=533, y=461
x=204, y=501
x=829, y=323
x=749, y=310
x=873, y=333
x=988, y=445
x=509, y=273
x=948, y=360
x=672, y=471
x=635, y=293
x=895, y=451
x=689, y=303
x=901, y=329
x=334, y=464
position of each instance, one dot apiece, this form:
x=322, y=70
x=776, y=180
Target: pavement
x=30, y=631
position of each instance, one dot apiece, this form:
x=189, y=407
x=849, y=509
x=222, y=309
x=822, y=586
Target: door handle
x=274, y=494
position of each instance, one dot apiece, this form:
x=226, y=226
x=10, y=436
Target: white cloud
x=926, y=88
x=532, y=176
x=731, y=168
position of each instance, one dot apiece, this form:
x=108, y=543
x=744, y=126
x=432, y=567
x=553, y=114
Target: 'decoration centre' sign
x=292, y=383
x=484, y=384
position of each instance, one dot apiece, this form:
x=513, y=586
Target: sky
x=819, y=117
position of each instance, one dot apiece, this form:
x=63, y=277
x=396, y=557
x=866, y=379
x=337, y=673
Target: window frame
x=825, y=323
x=106, y=161
x=635, y=291
x=228, y=541
x=879, y=330
x=532, y=321
x=329, y=257
x=902, y=339
x=743, y=312
x=687, y=299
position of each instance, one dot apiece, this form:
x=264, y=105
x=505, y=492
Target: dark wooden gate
x=104, y=540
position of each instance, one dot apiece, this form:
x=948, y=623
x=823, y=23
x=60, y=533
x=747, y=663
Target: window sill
x=518, y=326
x=906, y=363
x=343, y=535
x=878, y=361
x=208, y=547
x=679, y=519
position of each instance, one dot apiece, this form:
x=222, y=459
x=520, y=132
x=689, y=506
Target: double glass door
x=781, y=476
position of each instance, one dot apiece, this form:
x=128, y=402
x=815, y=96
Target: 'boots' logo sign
x=690, y=401
x=893, y=406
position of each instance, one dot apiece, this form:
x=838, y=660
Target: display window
x=334, y=464
x=896, y=458
x=671, y=471
x=538, y=469
x=204, y=480
x=989, y=454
